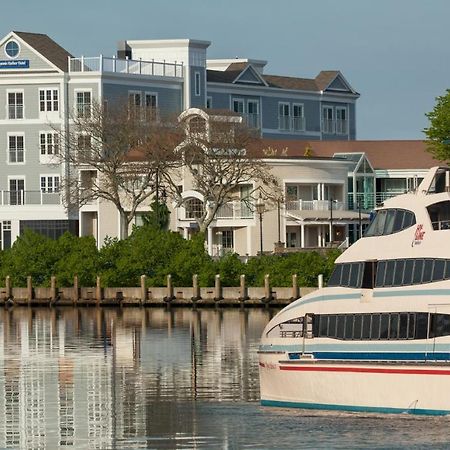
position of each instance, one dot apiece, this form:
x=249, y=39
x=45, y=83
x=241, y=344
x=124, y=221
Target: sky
x=395, y=53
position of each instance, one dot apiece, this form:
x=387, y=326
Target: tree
x=119, y=155
x=438, y=133
x=218, y=156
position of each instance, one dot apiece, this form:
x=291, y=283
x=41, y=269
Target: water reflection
x=110, y=378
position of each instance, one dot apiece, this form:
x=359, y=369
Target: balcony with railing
x=104, y=64
x=252, y=120
x=235, y=210
x=314, y=205
x=341, y=126
x=298, y=123
x=20, y=198
x=328, y=126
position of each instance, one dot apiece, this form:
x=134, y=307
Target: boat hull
x=415, y=388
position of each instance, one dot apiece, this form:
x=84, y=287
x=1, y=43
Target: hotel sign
x=15, y=64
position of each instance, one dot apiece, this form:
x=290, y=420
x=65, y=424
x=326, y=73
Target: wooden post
x=295, y=289
x=143, y=289
x=267, y=289
x=169, y=296
x=76, y=290
x=8, y=288
x=52, y=288
x=243, y=289
x=29, y=289
x=195, y=288
x=217, y=288
x=320, y=281
x=98, y=291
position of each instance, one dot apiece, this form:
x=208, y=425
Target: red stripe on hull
x=367, y=370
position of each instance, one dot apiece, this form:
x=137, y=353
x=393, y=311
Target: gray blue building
x=42, y=86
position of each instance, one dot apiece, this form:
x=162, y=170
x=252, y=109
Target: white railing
x=328, y=126
x=235, y=210
x=313, y=205
x=382, y=196
x=19, y=197
x=298, y=123
x=103, y=64
x=341, y=126
x=284, y=123
x=252, y=120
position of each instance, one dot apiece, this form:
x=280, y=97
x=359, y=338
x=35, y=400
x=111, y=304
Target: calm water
x=156, y=378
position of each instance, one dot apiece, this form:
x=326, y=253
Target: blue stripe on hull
x=353, y=408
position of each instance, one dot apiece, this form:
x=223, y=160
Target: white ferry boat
x=377, y=339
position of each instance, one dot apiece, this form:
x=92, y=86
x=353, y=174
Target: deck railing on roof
x=104, y=64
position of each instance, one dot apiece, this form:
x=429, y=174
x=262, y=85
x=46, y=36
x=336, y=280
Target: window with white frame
x=298, y=117
x=16, y=149
x=227, y=239
x=15, y=105
x=83, y=104
x=341, y=120
x=16, y=191
x=253, y=113
x=49, y=183
x=327, y=120
x=5, y=235
x=209, y=102
x=194, y=208
x=48, y=100
x=84, y=148
x=284, y=116
x=135, y=103
x=238, y=105
x=197, y=84
x=151, y=105
x=49, y=143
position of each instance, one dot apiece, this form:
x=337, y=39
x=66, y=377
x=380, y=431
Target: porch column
x=323, y=191
x=210, y=241
x=185, y=233
x=319, y=236
x=302, y=236
x=319, y=192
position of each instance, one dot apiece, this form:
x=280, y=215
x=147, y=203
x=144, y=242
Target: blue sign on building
x=15, y=64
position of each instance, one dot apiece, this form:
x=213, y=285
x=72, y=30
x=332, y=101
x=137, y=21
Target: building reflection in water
x=103, y=378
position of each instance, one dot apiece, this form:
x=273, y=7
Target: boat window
x=447, y=269
x=398, y=274
x=417, y=274
x=408, y=274
x=389, y=222
x=439, y=214
x=421, y=326
x=379, y=326
x=340, y=328
x=427, y=271
x=390, y=270
x=345, y=274
x=354, y=275
x=384, y=326
x=411, y=326
x=438, y=269
x=332, y=325
x=393, y=326
x=381, y=268
x=375, y=328
x=348, y=327
x=440, y=325
x=398, y=222
x=335, y=278
x=403, y=326
x=409, y=220
x=357, y=326
x=366, y=321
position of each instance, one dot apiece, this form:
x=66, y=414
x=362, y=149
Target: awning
x=325, y=216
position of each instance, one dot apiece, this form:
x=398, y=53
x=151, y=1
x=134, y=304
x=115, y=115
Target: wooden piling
x=195, y=288
x=98, y=291
x=295, y=288
x=217, y=288
x=29, y=289
x=267, y=288
x=143, y=289
x=243, y=289
x=8, y=288
x=52, y=289
x=76, y=290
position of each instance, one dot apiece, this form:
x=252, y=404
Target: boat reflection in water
x=104, y=378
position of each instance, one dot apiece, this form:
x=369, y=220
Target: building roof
x=383, y=155
x=47, y=47
x=318, y=84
